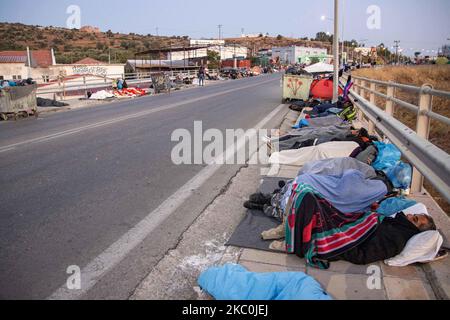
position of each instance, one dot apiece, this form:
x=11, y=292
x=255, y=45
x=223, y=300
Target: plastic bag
x=394, y=205
x=400, y=175
x=388, y=156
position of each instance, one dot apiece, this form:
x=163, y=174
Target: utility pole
x=336, y=52
x=157, y=31
x=220, y=38
x=220, y=31
x=397, y=45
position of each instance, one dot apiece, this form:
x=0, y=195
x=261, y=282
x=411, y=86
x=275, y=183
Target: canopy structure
x=320, y=68
x=157, y=58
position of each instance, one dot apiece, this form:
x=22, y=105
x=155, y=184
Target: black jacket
x=388, y=240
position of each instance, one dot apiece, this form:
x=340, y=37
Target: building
x=142, y=67
x=189, y=53
x=225, y=51
x=41, y=66
x=206, y=42
x=254, y=35
x=230, y=51
x=90, y=29
x=236, y=63
x=294, y=54
x=18, y=65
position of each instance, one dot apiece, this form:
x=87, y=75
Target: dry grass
x=439, y=78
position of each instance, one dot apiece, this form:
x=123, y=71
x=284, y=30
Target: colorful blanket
x=317, y=231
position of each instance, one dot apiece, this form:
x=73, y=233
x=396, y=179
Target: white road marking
x=113, y=255
x=123, y=118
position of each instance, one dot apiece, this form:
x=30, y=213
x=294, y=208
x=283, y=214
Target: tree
x=213, y=60
x=323, y=37
x=279, y=37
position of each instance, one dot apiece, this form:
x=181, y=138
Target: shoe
x=260, y=198
x=278, y=246
x=274, y=234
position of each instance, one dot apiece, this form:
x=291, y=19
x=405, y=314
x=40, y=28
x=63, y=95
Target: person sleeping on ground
x=307, y=137
x=315, y=230
x=349, y=192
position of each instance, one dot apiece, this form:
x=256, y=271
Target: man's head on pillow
x=423, y=222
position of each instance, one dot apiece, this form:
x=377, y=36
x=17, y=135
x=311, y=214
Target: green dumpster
x=296, y=87
x=18, y=101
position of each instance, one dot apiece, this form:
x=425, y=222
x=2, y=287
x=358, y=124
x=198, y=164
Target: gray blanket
x=324, y=134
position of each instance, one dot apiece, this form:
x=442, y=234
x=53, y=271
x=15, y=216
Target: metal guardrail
x=106, y=81
x=429, y=161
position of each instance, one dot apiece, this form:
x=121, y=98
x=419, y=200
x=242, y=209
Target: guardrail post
x=373, y=87
x=389, y=103
x=423, y=131
x=85, y=87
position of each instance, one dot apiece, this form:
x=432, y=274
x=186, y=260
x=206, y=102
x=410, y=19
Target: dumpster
x=161, y=82
x=18, y=101
x=296, y=87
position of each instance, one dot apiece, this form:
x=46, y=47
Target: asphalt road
x=73, y=183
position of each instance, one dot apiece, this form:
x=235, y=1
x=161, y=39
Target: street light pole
x=336, y=52
x=343, y=27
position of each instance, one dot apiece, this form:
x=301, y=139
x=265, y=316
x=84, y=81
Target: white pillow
x=423, y=247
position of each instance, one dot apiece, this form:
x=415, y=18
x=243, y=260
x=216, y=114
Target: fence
x=428, y=160
x=69, y=84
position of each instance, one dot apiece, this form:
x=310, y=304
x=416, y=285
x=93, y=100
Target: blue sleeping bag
x=351, y=192
x=234, y=282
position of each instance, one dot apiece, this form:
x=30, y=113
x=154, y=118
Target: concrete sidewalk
x=202, y=246
x=346, y=281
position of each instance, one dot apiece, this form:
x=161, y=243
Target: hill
x=72, y=44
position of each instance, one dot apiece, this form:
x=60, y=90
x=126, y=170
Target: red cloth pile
x=130, y=92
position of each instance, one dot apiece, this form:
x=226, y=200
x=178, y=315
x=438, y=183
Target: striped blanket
x=317, y=231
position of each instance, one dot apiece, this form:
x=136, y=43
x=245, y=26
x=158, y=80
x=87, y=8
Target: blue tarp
x=351, y=192
x=392, y=206
x=234, y=282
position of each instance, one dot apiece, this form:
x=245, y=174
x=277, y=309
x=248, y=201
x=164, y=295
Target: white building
x=293, y=54
x=206, y=42
x=42, y=67
x=230, y=51
x=225, y=51
x=188, y=54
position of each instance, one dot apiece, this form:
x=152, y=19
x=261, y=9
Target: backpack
x=348, y=114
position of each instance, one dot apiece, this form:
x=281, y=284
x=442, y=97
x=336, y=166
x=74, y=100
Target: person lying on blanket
x=315, y=230
x=388, y=240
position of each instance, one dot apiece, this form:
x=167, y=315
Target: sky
x=418, y=24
